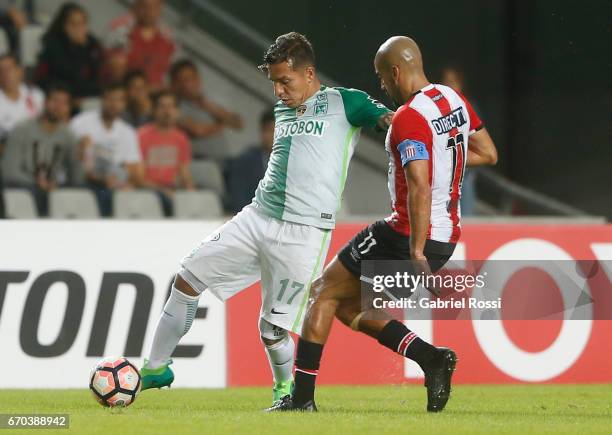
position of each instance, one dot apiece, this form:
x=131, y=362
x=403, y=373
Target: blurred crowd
x=151, y=124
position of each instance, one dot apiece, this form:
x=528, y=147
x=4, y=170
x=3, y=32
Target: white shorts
x=252, y=246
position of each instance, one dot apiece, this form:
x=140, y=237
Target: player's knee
x=316, y=288
x=187, y=283
x=322, y=293
x=270, y=334
x=346, y=313
x=322, y=298
x=268, y=342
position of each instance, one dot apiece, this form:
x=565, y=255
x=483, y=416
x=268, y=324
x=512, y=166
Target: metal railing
x=511, y=195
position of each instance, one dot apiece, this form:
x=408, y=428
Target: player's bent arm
x=201, y=129
x=232, y=119
x=363, y=111
x=419, y=205
x=481, y=149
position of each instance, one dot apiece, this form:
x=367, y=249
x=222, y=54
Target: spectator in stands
x=115, y=67
x=204, y=120
x=244, y=172
x=166, y=151
x=139, y=105
x=12, y=21
x=143, y=43
x=453, y=78
x=38, y=150
x=70, y=53
x=18, y=101
x=108, y=147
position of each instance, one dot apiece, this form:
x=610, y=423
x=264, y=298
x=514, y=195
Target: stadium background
x=534, y=68
x=541, y=80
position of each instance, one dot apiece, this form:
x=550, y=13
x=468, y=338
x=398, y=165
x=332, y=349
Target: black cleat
x=283, y=404
x=309, y=406
x=438, y=373
x=286, y=404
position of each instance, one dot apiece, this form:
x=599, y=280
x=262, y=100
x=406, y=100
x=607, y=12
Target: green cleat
x=281, y=389
x=156, y=378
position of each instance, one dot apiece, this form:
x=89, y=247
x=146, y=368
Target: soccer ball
x=114, y=381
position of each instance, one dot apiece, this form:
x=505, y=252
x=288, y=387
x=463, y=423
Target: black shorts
x=379, y=241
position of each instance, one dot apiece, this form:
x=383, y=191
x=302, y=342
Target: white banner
x=72, y=292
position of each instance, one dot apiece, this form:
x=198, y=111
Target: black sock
x=402, y=340
x=307, y=363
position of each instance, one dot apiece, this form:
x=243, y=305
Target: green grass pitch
x=342, y=409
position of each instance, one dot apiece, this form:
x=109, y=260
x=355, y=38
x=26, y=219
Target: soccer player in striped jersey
x=428, y=150
x=281, y=238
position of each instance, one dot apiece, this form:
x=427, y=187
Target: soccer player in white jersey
x=428, y=150
x=282, y=237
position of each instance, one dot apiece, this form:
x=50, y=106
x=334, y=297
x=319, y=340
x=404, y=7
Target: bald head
x=399, y=51
x=399, y=64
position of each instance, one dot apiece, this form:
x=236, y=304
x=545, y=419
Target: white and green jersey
x=312, y=147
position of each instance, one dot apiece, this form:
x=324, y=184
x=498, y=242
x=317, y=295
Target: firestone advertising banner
x=72, y=292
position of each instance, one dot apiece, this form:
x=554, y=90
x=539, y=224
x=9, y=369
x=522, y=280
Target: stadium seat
x=30, y=44
x=137, y=204
x=19, y=204
x=73, y=204
x=207, y=175
x=197, y=205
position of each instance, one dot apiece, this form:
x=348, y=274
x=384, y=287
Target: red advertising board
x=509, y=351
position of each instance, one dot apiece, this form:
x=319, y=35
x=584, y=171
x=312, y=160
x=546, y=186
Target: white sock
x=280, y=356
x=174, y=322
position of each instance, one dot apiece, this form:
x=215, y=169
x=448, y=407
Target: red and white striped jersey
x=434, y=124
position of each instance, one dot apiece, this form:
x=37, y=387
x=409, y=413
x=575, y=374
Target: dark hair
x=56, y=28
x=292, y=47
x=132, y=75
x=266, y=117
x=180, y=65
x=111, y=87
x=157, y=97
x=55, y=87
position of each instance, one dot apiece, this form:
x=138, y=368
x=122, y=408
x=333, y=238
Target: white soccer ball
x=115, y=381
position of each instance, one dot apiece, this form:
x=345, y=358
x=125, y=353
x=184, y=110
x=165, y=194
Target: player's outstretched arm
x=481, y=149
x=419, y=205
